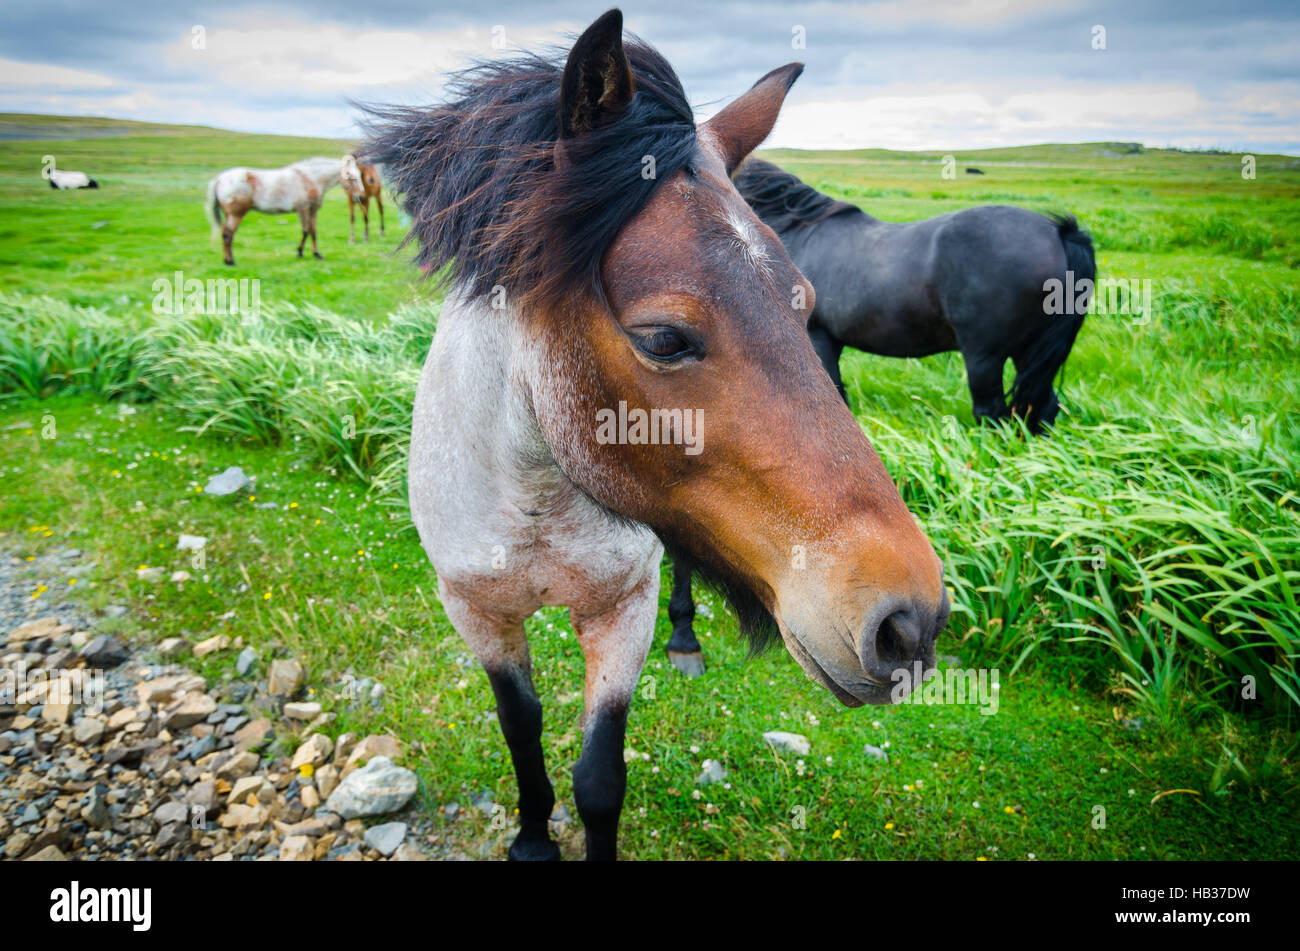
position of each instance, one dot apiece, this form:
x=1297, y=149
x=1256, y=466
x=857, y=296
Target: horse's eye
x=664, y=344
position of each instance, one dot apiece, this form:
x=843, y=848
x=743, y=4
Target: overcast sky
x=896, y=74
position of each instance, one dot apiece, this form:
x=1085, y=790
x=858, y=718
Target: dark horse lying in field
x=578, y=286
x=972, y=280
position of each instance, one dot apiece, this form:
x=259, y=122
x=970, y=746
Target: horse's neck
x=325, y=172
x=477, y=379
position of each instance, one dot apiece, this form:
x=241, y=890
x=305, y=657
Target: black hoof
x=318, y=256
x=690, y=664
x=533, y=850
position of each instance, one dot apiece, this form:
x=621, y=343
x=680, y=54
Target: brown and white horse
x=299, y=187
x=601, y=265
x=361, y=183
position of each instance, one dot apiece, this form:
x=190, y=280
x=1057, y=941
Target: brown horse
x=299, y=187
x=608, y=284
x=361, y=183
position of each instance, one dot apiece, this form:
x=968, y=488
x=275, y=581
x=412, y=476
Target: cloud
x=943, y=74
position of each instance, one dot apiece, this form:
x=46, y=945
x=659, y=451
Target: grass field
x=1136, y=566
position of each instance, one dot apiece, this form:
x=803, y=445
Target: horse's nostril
x=899, y=638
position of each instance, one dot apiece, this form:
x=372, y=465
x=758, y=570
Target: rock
x=89, y=731
x=189, y=710
x=120, y=719
x=56, y=712
x=104, y=651
x=204, y=795
x=409, y=853
x=242, y=817
x=245, y=786
x=376, y=789
x=451, y=810
x=788, y=742
x=162, y=689
x=346, y=853
x=386, y=838
x=170, y=812
x=344, y=745
x=171, y=834
x=146, y=573
x=41, y=627
x=713, y=773
x=94, y=808
x=247, y=658
x=50, y=853
x=79, y=639
x=875, y=752
x=179, y=577
x=61, y=659
x=297, y=848
x=302, y=711
x=228, y=482
x=253, y=734
x=241, y=764
x=317, y=826
x=327, y=780
x=17, y=844
x=315, y=751
x=199, y=748
x=284, y=678
x=376, y=745
x=174, y=647
x=210, y=646
x=190, y=542
x=484, y=803
x=310, y=798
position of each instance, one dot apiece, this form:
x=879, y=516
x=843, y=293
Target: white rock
x=788, y=742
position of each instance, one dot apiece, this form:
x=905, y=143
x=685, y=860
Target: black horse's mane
x=478, y=176
x=781, y=200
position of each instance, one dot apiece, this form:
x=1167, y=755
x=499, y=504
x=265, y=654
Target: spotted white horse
x=299, y=187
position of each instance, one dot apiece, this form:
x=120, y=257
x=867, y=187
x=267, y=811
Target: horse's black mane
x=781, y=200
x=478, y=176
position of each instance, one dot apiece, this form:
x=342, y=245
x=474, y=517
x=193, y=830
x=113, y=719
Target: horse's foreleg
x=365, y=217
x=614, y=646
x=303, y=223
x=352, y=220
x=828, y=351
x=501, y=647
x=380, y=202
x=683, y=649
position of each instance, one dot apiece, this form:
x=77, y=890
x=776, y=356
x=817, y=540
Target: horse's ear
x=597, y=84
x=745, y=123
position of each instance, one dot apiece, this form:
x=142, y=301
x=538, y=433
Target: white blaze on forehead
x=750, y=240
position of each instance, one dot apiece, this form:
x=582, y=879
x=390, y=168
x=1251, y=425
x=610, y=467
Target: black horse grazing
x=972, y=280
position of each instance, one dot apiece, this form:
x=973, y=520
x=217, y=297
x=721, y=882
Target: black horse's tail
x=1031, y=395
